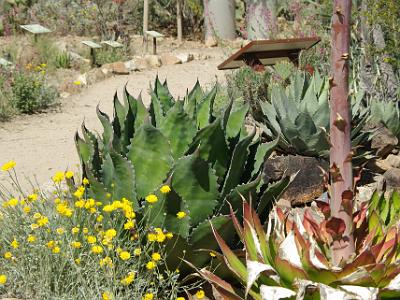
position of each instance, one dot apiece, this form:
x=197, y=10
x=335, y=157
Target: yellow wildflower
x=128, y=279
x=165, y=189
x=85, y=181
x=99, y=218
x=78, y=261
x=79, y=192
x=110, y=234
x=37, y=216
x=63, y=209
x=129, y=225
x=180, y=298
x=75, y=230
x=125, y=255
x=200, y=294
x=51, y=244
x=31, y=238
x=148, y=296
x=181, y=215
x=97, y=249
x=8, y=165
x=151, y=265
x=80, y=203
x=27, y=209
x=91, y=239
x=151, y=237
x=76, y=244
x=14, y=244
x=109, y=208
x=106, y=261
x=42, y=221
x=85, y=230
x=60, y=230
x=151, y=198
x=69, y=174
x=169, y=235
x=137, y=251
x=77, y=82
x=212, y=254
x=58, y=177
x=156, y=256
x=3, y=279
x=106, y=296
x=8, y=255
x=34, y=226
x=56, y=250
x=33, y=197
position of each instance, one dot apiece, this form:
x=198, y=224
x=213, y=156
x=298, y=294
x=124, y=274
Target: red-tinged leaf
x=392, y=271
x=384, y=247
x=335, y=227
x=375, y=224
x=280, y=214
x=359, y=217
x=250, y=241
x=220, y=293
x=377, y=272
x=265, y=251
x=288, y=272
x=288, y=226
x=325, y=236
x=231, y=259
x=324, y=208
x=221, y=285
x=347, y=201
x=247, y=215
x=375, y=201
x=236, y=223
x=311, y=226
x=364, y=259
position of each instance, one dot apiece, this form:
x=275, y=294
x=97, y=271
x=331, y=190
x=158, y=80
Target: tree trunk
x=179, y=20
x=145, y=16
x=261, y=19
x=219, y=20
x=389, y=77
x=340, y=126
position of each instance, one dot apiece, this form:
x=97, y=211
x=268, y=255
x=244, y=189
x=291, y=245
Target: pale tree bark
x=219, y=20
x=145, y=16
x=261, y=19
x=341, y=172
x=389, y=77
x=179, y=20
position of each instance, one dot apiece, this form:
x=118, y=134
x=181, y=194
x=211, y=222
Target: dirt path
x=42, y=144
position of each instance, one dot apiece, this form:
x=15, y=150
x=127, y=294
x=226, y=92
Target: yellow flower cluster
x=63, y=209
x=128, y=279
x=8, y=165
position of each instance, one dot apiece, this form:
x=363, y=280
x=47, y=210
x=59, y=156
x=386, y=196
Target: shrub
x=6, y=109
x=206, y=160
x=63, y=60
x=66, y=245
x=30, y=92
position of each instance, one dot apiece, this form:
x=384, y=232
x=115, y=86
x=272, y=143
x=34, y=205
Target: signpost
x=5, y=63
x=93, y=46
x=261, y=53
x=35, y=29
x=154, y=35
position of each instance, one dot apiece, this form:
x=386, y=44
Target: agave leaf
x=276, y=293
x=205, y=108
x=233, y=262
x=235, y=197
x=375, y=223
x=108, y=133
x=272, y=193
x=212, y=146
x=124, y=179
x=83, y=149
x=164, y=96
x=193, y=99
x=202, y=235
x=255, y=270
x=236, y=121
x=178, y=129
x=150, y=153
x=129, y=129
x=107, y=171
x=196, y=183
x=263, y=152
x=237, y=165
x=395, y=206
x=97, y=190
x=119, y=116
x=156, y=112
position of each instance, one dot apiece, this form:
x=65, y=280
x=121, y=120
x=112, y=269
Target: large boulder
x=383, y=142
x=170, y=59
x=308, y=184
x=392, y=177
x=118, y=68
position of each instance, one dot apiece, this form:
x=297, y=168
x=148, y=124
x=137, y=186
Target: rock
x=185, y=57
x=64, y=95
x=78, y=61
x=378, y=165
x=153, y=61
x=170, y=59
x=140, y=63
x=211, y=42
x=308, y=184
x=131, y=65
x=82, y=79
x=383, y=142
x=118, y=68
x=393, y=161
x=96, y=75
x=392, y=178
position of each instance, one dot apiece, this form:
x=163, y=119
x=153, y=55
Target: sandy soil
x=43, y=144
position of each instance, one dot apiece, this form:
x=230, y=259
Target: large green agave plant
x=291, y=258
x=207, y=158
x=299, y=114
x=388, y=113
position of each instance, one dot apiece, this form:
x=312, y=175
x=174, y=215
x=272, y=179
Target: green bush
x=63, y=60
x=30, y=92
